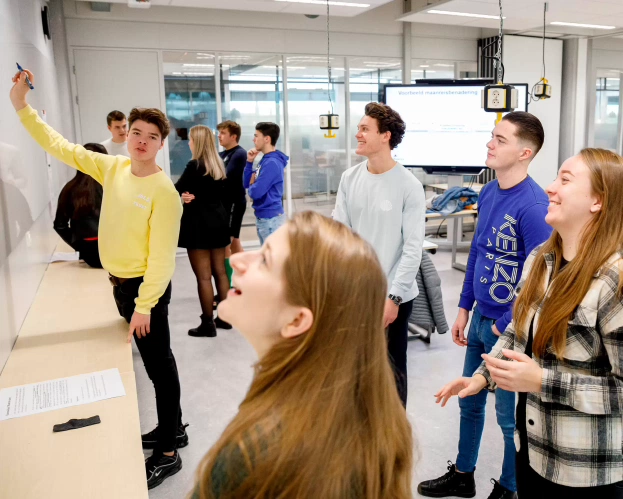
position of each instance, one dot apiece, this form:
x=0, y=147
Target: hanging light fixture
x=500, y=98
x=542, y=89
x=329, y=121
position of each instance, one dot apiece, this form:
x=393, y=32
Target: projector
x=499, y=98
x=139, y=4
x=542, y=90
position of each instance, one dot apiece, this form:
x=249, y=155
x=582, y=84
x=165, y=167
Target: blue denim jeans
x=481, y=340
x=266, y=226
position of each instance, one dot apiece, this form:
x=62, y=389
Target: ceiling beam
x=417, y=6
x=616, y=32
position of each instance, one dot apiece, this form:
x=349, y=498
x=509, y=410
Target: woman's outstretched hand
x=463, y=387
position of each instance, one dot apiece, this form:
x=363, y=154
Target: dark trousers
x=155, y=350
x=397, y=341
x=531, y=485
x=89, y=252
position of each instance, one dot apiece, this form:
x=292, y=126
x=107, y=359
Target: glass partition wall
x=251, y=92
x=209, y=87
x=190, y=94
x=317, y=158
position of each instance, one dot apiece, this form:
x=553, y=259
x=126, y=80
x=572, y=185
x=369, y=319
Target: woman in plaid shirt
x=563, y=352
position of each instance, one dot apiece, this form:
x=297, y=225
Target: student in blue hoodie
x=266, y=183
x=511, y=223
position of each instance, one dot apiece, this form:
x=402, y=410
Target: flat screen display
x=447, y=129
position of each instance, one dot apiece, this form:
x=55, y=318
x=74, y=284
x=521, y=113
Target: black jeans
x=531, y=485
x=89, y=252
x=155, y=350
x=397, y=341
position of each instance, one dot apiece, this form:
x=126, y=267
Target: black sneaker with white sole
x=150, y=440
x=160, y=467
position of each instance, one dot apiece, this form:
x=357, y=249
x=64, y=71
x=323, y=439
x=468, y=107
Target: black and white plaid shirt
x=575, y=424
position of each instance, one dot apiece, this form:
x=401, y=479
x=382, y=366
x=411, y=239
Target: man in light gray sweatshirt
x=384, y=203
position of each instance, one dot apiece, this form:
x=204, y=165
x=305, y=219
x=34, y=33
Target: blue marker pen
x=19, y=68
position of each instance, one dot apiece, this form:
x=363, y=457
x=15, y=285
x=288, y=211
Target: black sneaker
x=151, y=439
x=452, y=483
x=160, y=467
x=221, y=324
x=500, y=492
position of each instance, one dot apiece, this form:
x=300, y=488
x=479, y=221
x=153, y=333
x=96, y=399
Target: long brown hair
x=83, y=192
x=601, y=238
x=322, y=418
x=206, y=152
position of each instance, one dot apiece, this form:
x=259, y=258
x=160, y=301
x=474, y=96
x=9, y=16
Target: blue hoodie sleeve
x=270, y=173
x=467, y=294
x=534, y=232
x=248, y=173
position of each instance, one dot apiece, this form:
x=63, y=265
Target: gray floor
x=215, y=374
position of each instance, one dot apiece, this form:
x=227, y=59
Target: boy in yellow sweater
x=138, y=233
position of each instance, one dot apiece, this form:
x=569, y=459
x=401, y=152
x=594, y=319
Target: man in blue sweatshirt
x=511, y=223
x=266, y=183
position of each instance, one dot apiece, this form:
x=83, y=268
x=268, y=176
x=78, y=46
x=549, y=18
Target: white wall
x=606, y=53
x=523, y=64
x=26, y=183
x=103, y=91
x=575, y=97
x=374, y=33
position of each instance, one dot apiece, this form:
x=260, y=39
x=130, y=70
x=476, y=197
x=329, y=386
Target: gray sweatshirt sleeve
x=413, y=221
x=340, y=213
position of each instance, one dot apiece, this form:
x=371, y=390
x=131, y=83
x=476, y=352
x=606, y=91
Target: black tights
x=205, y=264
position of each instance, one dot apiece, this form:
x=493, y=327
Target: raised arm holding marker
x=20, y=69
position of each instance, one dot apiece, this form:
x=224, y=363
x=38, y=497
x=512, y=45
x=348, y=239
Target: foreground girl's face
x=256, y=305
x=572, y=203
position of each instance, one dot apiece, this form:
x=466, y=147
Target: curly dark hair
x=388, y=121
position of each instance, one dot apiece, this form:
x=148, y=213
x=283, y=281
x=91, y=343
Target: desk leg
x=328, y=185
x=455, y=241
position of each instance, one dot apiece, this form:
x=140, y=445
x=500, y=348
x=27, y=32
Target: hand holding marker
x=21, y=70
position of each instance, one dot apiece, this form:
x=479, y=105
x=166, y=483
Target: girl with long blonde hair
x=322, y=418
x=566, y=341
x=204, y=230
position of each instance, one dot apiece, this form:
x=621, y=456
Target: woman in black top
x=204, y=228
x=78, y=213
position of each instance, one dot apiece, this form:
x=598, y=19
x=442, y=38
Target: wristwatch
x=396, y=299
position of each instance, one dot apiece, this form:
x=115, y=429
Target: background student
x=117, y=144
x=78, y=213
x=234, y=158
x=204, y=228
x=384, y=203
x=266, y=183
x=511, y=223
